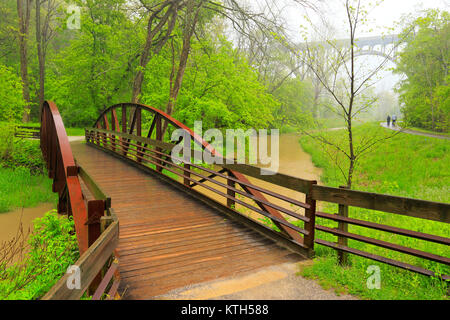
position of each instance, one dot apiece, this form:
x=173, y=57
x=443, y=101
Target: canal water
x=293, y=161
x=10, y=221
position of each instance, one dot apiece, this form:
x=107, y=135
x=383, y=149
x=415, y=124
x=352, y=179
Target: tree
x=425, y=60
x=162, y=21
x=23, y=12
x=11, y=101
x=219, y=87
x=43, y=36
x=346, y=85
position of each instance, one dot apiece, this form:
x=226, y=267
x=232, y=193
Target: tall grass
x=406, y=165
x=19, y=188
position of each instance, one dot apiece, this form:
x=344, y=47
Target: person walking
x=389, y=121
x=394, y=120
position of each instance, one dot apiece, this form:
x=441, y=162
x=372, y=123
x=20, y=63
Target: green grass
x=406, y=165
x=19, y=188
x=75, y=131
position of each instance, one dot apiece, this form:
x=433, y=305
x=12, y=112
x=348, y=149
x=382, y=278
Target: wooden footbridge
x=146, y=225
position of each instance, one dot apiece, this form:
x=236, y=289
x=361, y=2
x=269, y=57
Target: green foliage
x=17, y=152
x=94, y=68
x=22, y=172
x=53, y=248
x=296, y=101
x=425, y=93
x=19, y=188
x=27, y=154
x=11, y=101
x=406, y=165
x=219, y=88
x=6, y=140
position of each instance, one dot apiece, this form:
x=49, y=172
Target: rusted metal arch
x=102, y=122
x=62, y=169
x=137, y=106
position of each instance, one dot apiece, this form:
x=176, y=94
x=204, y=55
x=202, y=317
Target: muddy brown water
x=10, y=221
x=293, y=161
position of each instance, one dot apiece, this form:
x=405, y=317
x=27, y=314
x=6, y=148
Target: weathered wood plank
x=429, y=210
x=280, y=179
x=93, y=187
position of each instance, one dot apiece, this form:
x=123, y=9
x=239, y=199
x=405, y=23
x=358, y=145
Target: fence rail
x=29, y=132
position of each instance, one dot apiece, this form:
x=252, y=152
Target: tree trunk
x=146, y=54
x=41, y=57
x=23, y=11
x=191, y=23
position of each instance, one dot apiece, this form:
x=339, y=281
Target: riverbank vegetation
x=31, y=263
x=23, y=176
x=409, y=166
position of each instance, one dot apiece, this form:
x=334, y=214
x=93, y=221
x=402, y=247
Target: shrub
x=53, y=248
x=11, y=101
x=16, y=152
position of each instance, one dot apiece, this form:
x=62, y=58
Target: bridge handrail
x=160, y=116
x=96, y=247
x=63, y=170
x=121, y=144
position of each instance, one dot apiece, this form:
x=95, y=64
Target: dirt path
x=414, y=132
x=273, y=283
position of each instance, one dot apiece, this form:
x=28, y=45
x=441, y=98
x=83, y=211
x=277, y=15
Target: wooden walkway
x=169, y=240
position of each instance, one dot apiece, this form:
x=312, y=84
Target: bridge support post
x=187, y=174
x=342, y=226
x=311, y=224
x=96, y=210
x=159, y=137
x=231, y=203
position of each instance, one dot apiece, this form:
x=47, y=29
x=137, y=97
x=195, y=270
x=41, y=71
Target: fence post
x=187, y=174
x=343, y=226
x=230, y=202
x=159, y=137
x=96, y=210
x=310, y=226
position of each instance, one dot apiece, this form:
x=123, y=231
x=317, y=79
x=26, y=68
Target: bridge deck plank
x=167, y=239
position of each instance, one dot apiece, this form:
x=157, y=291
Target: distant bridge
x=382, y=46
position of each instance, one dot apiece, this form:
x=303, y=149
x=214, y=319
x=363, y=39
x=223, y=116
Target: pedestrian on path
x=394, y=120
x=389, y=121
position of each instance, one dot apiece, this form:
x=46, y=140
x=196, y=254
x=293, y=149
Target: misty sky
x=386, y=15
x=383, y=17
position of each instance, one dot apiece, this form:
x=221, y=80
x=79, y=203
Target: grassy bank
x=23, y=178
x=406, y=165
x=21, y=189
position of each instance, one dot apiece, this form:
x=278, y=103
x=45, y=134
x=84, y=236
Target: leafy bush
x=6, y=140
x=16, y=152
x=21, y=189
x=11, y=101
x=53, y=248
